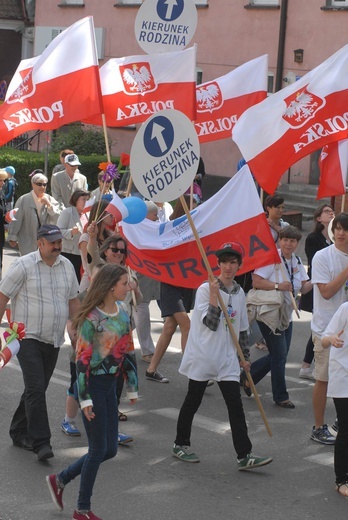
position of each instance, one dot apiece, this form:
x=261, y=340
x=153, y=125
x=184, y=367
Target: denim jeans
x=341, y=444
x=278, y=347
x=37, y=361
x=102, y=432
x=231, y=394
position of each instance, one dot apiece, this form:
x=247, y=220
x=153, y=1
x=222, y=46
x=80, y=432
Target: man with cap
x=65, y=182
x=34, y=209
x=10, y=187
x=42, y=287
x=211, y=354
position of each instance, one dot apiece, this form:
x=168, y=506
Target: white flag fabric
x=333, y=164
x=168, y=251
x=295, y=121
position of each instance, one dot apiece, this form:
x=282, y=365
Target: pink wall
x=227, y=35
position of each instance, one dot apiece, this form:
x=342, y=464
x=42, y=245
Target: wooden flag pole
x=293, y=301
x=224, y=310
x=109, y=160
x=343, y=202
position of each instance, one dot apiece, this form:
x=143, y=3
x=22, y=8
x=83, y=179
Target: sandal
x=342, y=489
x=122, y=417
x=286, y=404
x=245, y=383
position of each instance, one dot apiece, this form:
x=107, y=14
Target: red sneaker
x=55, y=490
x=85, y=516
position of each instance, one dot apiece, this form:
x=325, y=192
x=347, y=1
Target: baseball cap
x=230, y=247
x=72, y=159
x=50, y=232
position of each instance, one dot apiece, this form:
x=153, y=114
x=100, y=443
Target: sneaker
x=124, y=439
x=184, y=453
x=334, y=427
x=156, y=376
x=251, y=461
x=87, y=515
x=322, y=435
x=69, y=428
x=56, y=490
x=306, y=373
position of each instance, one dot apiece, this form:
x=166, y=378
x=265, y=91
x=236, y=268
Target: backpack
x=6, y=188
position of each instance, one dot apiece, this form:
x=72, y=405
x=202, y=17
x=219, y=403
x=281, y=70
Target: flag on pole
x=117, y=208
x=136, y=87
x=333, y=165
x=221, y=102
x=59, y=87
x=295, y=121
x=10, y=216
x=168, y=251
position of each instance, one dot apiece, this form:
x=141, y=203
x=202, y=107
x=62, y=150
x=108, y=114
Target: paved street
x=145, y=481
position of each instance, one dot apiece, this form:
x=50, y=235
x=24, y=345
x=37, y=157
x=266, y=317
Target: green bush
x=25, y=162
x=84, y=141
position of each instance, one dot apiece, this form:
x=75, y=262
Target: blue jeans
x=278, y=348
x=102, y=433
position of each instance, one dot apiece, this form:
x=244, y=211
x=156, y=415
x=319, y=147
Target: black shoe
x=45, y=452
x=23, y=443
x=244, y=383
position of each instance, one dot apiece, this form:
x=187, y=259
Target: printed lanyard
x=291, y=275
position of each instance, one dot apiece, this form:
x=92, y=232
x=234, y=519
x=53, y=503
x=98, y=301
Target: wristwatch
x=276, y=286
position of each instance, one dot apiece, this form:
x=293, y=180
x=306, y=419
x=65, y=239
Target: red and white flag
x=333, y=165
x=10, y=216
x=59, y=87
x=136, y=87
x=295, y=121
x=168, y=251
x=221, y=102
x=117, y=208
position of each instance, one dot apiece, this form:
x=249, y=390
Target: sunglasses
x=117, y=250
x=44, y=184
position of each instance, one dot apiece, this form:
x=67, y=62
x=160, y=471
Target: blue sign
x=158, y=136
x=170, y=10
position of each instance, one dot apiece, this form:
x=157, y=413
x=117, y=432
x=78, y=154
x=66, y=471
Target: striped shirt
x=40, y=295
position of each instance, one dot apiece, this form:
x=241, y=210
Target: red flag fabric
x=295, y=121
x=136, y=87
x=333, y=164
x=60, y=87
x=222, y=101
x=168, y=251
x=117, y=208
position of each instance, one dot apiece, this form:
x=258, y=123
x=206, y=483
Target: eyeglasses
x=118, y=250
x=328, y=211
x=44, y=184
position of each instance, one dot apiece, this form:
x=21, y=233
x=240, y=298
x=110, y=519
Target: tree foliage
x=83, y=140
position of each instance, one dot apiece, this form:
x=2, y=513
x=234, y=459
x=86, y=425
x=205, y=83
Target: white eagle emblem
x=24, y=90
x=138, y=79
x=208, y=97
x=302, y=107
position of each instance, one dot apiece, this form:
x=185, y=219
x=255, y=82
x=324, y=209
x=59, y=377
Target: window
x=264, y=2
x=199, y=76
x=270, y=83
x=72, y=2
x=339, y=3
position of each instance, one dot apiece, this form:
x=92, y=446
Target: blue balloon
x=137, y=210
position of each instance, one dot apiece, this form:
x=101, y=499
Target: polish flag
x=169, y=253
x=10, y=216
x=136, y=87
x=333, y=165
x=221, y=102
x=58, y=87
x=295, y=121
x=117, y=208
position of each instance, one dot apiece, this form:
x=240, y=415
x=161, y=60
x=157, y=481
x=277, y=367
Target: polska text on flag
x=168, y=251
x=333, y=164
x=61, y=86
x=136, y=87
x=221, y=102
x=295, y=121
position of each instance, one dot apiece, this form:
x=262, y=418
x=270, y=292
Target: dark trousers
x=76, y=261
x=341, y=444
x=37, y=361
x=231, y=393
x=278, y=348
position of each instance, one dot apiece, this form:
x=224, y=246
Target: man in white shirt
x=65, y=182
x=330, y=290
x=43, y=290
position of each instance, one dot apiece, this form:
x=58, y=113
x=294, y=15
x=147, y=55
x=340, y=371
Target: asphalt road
x=145, y=481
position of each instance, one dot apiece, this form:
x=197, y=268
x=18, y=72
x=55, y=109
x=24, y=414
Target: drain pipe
x=281, y=45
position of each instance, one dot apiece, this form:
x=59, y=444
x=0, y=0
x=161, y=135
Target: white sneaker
x=306, y=373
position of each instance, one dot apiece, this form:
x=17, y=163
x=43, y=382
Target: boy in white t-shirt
x=210, y=354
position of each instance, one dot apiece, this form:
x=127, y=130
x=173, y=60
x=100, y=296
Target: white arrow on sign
x=170, y=4
x=157, y=133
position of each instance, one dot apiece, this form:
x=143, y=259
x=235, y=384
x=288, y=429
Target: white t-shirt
x=338, y=364
x=212, y=354
x=294, y=265
x=326, y=265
